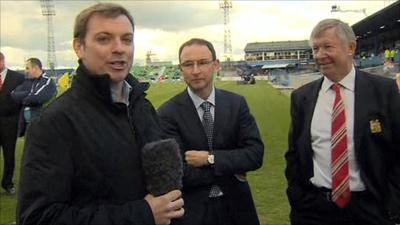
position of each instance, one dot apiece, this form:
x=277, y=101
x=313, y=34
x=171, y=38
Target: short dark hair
x=35, y=61
x=110, y=10
x=198, y=41
x=1, y=55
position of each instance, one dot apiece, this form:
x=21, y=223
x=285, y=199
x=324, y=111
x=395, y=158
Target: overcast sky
x=162, y=26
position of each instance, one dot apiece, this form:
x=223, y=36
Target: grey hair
x=343, y=30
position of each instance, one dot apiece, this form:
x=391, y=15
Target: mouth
x=118, y=64
x=326, y=64
x=197, y=80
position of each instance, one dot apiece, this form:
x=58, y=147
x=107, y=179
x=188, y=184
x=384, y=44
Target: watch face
x=210, y=159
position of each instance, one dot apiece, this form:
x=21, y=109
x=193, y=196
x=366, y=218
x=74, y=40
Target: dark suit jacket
x=237, y=146
x=376, y=153
x=8, y=107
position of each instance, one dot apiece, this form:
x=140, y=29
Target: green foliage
x=271, y=110
x=139, y=71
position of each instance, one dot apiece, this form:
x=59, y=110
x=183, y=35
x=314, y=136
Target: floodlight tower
x=148, y=57
x=226, y=5
x=336, y=8
x=48, y=10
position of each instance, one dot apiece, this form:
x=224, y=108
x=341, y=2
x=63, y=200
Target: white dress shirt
x=197, y=101
x=321, y=133
x=3, y=75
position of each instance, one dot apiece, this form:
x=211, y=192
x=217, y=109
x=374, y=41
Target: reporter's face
x=108, y=46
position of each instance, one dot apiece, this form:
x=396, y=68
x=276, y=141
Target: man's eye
x=127, y=41
x=201, y=63
x=189, y=64
x=103, y=39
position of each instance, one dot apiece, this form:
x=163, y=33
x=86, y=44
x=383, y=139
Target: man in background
x=33, y=93
x=9, y=111
x=344, y=146
x=219, y=139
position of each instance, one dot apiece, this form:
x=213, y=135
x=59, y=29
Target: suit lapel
x=309, y=101
x=222, y=113
x=361, y=95
x=9, y=81
x=190, y=117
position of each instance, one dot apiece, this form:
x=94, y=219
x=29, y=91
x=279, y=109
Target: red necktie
x=340, y=161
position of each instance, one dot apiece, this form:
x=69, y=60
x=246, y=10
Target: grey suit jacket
x=237, y=147
x=377, y=153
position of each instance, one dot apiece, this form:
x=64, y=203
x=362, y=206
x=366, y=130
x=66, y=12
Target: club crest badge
x=375, y=126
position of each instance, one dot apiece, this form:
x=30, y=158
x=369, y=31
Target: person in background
x=344, y=146
x=9, y=111
x=387, y=55
x=82, y=156
x=392, y=54
x=219, y=139
x=33, y=93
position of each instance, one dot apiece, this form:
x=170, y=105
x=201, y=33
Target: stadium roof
x=273, y=66
x=384, y=20
x=276, y=46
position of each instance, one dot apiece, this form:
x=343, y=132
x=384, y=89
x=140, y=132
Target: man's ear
x=78, y=47
x=217, y=65
x=352, y=48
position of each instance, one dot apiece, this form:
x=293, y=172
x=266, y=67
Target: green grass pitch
x=271, y=110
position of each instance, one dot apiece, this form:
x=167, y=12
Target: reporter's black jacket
x=81, y=162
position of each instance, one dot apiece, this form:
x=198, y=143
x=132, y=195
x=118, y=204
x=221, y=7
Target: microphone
x=162, y=165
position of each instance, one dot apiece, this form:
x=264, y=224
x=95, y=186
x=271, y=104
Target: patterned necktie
x=340, y=161
x=208, y=122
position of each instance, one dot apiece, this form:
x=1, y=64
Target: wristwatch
x=210, y=159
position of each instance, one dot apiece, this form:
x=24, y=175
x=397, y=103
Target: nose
x=118, y=46
x=196, y=68
x=319, y=53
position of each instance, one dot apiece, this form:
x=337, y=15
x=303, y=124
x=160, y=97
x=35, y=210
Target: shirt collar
x=197, y=100
x=126, y=89
x=347, y=82
x=3, y=74
x=4, y=71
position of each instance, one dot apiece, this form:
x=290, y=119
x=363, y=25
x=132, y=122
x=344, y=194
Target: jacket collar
x=99, y=84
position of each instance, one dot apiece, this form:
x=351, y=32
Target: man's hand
x=166, y=207
x=196, y=158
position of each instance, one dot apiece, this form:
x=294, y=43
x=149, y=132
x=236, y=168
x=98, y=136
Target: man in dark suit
x=9, y=111
x=344, y=142
x=219, y=139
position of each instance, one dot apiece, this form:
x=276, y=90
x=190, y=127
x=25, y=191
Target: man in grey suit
x=9, y=111
x=344, y=143
x=219, y=140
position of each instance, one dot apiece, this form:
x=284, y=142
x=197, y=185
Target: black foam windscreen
x=162, y=165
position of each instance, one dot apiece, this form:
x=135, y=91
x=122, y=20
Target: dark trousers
x=213, y=211
x=8, y=139
x=318, y=209
x=216, y=212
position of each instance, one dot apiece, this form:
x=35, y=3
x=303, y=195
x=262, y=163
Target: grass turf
x=271, y=110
